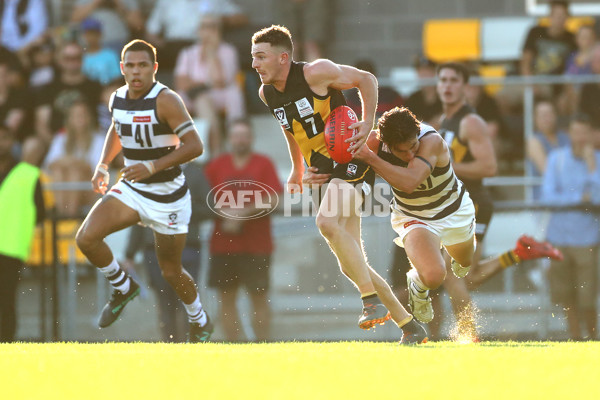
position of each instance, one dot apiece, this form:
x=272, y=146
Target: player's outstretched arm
x=323, y=74
x=473, y=130
x=171, y=111
x=410, y=177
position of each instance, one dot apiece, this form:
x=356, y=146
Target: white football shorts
x=457, y=227
x=166, y=218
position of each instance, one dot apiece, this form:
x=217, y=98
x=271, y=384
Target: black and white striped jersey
x=145, y=138
x=437, y=197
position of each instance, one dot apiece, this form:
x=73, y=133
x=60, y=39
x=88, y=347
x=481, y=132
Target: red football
x=336, y=132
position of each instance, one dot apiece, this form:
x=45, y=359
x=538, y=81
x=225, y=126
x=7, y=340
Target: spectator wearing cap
x=100, y=64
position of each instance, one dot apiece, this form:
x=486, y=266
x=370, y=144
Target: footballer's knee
x=329, y=227
x=85, y=240
x=433, y=277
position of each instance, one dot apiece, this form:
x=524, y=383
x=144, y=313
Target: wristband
x=102, y=168
x=150, y=166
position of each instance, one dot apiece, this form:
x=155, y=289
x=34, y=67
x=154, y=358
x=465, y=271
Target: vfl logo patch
x=142, y=118
x=413, y=222
x=304, y=107
x=172, y=220
x=281, y=117
x=352, y=169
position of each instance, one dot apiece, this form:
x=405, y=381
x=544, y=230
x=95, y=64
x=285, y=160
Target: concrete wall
x=388, y=30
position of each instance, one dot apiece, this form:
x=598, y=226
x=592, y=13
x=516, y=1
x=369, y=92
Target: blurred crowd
x=55, y=82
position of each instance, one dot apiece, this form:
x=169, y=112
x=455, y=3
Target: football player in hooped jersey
x=156, y=134
x=301, y=96
x=431, y=207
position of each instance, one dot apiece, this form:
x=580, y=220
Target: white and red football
x=336, y=133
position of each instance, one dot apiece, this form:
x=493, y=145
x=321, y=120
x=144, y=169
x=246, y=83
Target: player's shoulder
x=428, y=134
x=319, y=68
x=472, y=123
x=167, y=96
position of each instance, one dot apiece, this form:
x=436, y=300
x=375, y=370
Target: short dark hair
x=398, y=125
x=276, y=35
x=140, y=45
x=459, y=68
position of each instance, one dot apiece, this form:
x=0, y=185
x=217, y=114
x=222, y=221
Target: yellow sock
x=509, y=258
x=404, y=321
x=362, y=296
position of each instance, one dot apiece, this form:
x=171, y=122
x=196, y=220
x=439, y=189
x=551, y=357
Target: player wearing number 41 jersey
x=156, y=134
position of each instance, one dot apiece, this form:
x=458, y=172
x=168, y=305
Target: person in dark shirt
x=70, y=85
x=425, y=103
x=546, y=49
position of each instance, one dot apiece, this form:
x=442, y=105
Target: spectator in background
x=69, y=85
x=308, y=21
x=100, y=64
x=205, y=75
x=72, y=157
x=572, y=178
x=22, y=22
x=589, y=98
x=13, y=103
x=578, y=63
x=546, y=138
x=173, y=24
x=546, y=49
x=21, y=207
x=488, y=109
x=425, y=103
x=241, y=247
x=387, y=99
x=171, y=314
x=121, y=20
x=41, y=64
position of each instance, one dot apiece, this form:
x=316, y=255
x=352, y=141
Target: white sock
x=195, y=312
x=118, y=278
x=417, y=286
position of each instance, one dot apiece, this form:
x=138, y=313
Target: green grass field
x=339, y=370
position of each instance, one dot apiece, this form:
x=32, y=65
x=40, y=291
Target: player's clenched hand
x=360, y=137
x=312, y=177
x=138, y=172
x=363, y=154
x=100, y=179
x=294, y=182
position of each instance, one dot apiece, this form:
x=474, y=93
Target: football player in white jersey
x=142, y=195
x=431, y=207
